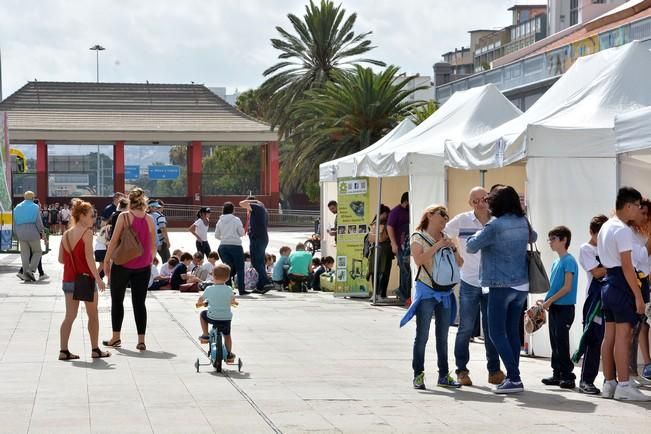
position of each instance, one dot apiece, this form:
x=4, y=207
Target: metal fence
x=277, y=218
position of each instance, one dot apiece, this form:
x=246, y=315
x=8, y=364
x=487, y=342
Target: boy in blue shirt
x=279, y=273
x=219, y=298
x=560, y=301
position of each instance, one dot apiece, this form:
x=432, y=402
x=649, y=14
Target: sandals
x=99, y=354
x=115, y=344
x=141, y=346
x=204, y=338
x=67, y=355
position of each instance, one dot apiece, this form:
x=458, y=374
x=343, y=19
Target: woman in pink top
x=135, y=272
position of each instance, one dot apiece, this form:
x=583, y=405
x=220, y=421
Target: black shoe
x=589, y=389
x=245, y=292
x=551, y=381
x=567, y=384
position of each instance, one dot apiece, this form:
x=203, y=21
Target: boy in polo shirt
x=621, y=296
x=560, y=301
x=300, y=264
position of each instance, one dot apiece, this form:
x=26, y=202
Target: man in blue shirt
x=560, y=301
x=28, y=228
x=258, y=240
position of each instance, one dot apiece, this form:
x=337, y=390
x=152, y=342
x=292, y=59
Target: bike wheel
x=309, y=246
x=220, y=353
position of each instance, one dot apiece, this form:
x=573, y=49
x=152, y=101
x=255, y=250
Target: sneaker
x=419, y=381
x=646, y=372
x=29, y=276
x=496, y=377
x=509, y=386
x=567, y=384
x=448, y=381
x=230, y=358
x=640, y=381
x=551, y=381
x=464, y=379
x=608, y=391
x=43, y=276
x=628, y=393
x=21, y=276
x=588, y=388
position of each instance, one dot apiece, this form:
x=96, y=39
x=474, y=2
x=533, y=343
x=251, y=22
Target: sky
x=213, y=42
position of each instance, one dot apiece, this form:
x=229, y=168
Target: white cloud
x=216, y=42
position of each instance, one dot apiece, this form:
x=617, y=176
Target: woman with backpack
x=504, y=269
x=438, y=264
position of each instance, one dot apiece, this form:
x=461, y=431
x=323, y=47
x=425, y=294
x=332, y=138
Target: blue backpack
x=446, y=271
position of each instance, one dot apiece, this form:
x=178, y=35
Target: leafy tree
x=345, y=116
x=232, y=169
x=323, y=44
x=254, y=103
x=423, y=112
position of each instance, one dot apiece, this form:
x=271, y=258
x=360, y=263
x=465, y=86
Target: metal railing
x=277, y=218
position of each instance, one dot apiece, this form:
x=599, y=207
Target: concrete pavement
x=311, y=363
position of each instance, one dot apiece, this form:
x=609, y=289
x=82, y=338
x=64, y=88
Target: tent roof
x=633, y=131
x=575, y=117
x=466, y=114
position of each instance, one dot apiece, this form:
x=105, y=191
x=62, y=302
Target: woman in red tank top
x=76, y=255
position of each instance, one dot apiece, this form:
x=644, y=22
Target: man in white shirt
x=471, y=296
x=621, y=297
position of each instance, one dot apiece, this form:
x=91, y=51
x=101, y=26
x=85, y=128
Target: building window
x=160, y=170
x=574, y=12
x=80, y=170
x=23, y=178
x=231, y=170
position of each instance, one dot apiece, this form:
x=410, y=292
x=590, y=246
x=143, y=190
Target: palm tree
x=344, y=116
x=324, y=43
x=425, y=111
x=253, y=103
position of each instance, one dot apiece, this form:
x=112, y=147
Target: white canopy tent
x=633, y=131
x=568, y=140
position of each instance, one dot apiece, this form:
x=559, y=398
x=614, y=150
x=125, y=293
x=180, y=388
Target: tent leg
x=377, y=238
x=482, y=178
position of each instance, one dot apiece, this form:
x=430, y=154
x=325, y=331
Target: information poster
x=353, y=209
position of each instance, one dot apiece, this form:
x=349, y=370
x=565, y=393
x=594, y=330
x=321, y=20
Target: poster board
x=5, y=182
x=353, y=211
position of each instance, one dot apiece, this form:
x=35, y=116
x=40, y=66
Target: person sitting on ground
x=211, y=261
x=326, y=265
x=154, y=272
x=268, y=264
x=250, y=273
x=316, y=263
x=165, y=274
x=199, y=272
x=177, y=253
x=219, y=297
x=180, y=274
x=279, y=274
x=300, y=264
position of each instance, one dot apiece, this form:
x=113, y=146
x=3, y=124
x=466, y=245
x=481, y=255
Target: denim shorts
x=69, y=287
x=223, y=326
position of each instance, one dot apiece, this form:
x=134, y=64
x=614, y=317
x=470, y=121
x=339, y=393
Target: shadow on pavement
x=146, y=354
x=99, y=364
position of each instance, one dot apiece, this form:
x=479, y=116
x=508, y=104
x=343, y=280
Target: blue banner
x=164, y=172
x=131, y=172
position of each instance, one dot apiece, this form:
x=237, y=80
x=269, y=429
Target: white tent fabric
x=633, y=130
x=575, y=118
x=347, y=166
x=465, y=114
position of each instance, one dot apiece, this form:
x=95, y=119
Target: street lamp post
x=97, y=48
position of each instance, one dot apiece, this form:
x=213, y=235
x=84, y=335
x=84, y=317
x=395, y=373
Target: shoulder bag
x=84, y=283
x=129, y=246
x=538, y=280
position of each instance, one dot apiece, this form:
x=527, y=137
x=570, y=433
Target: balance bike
x=217, y=352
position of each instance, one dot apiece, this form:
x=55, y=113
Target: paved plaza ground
x=312, y=363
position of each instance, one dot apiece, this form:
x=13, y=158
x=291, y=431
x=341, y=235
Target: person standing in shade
x=398, y=230
x=259, y=239
x=135, y=272
x=29, y=230
x=200, y=230
x=230, y=230
x=472, y=298
x=332, y=206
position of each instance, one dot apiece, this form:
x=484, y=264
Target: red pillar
x=41, y=171
x=264, y=169
x=194, y=172
x=118, y=166
x=274, y=168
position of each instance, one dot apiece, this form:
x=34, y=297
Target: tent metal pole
x=376, y=258
x=482, y=178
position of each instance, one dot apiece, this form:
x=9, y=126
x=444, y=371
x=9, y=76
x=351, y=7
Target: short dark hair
x=316, y=261
x=228, y=208
x=213, y=255
x=328, y=260
x=404, y=197
x=627, y=195
x=185, y=257
x=198, y=256
x=250, y=198
x=332, y=202
x=495, y=186
x=285, y=249
x=173, y=261
x=563, y=233
x=505, y=200
x=597, y=222
x=300, y=246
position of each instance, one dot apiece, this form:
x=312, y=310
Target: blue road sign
x=131, y=172
x=164, y=172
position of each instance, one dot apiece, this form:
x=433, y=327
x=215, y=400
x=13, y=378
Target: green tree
x=345, y=116
x=323, y=44
x=423, y=112
x=232, y=169
x=254, y=103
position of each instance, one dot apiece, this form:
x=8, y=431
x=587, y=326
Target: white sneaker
x=628, y=393
x=43, y=276
x=608, y=390
x=639, y=381
x=20, y=276
x=29, y=276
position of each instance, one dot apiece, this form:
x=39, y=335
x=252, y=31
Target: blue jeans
x=471, y=300
x=233, y=256
x=257, y=249
x=426, y=310
x=504, y=312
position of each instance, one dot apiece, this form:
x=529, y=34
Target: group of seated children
x=182, y=269
x=297, y=271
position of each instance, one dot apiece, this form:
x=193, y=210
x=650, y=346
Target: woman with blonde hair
x=135, y=272
x=76, y=255
x=430, y=299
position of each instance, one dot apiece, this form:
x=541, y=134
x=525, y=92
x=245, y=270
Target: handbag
x=128, y=247
x=538, y=280
x=84, y=284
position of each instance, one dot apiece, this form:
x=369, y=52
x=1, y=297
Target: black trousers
x=203, y=247
x=561, y=318
x=592, y=354
x=138, y=280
